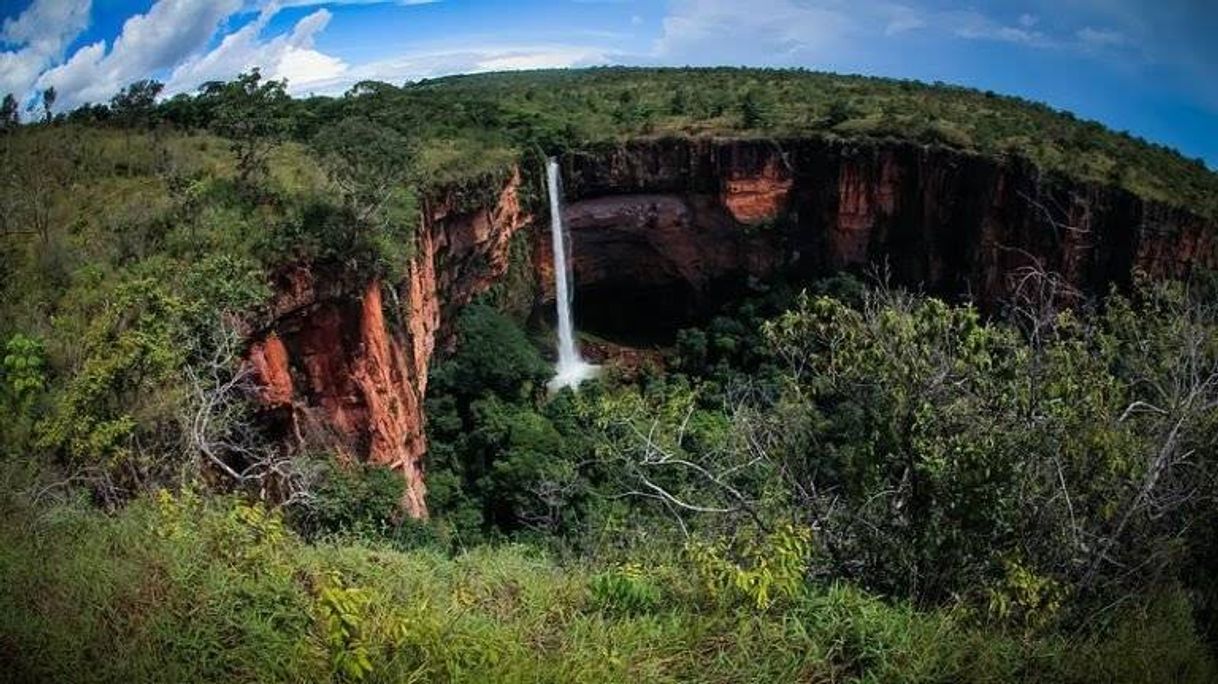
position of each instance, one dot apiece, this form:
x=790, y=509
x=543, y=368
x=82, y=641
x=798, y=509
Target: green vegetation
x=830, y=481
x=187, y=588
x=467, y=126
x=569, y=108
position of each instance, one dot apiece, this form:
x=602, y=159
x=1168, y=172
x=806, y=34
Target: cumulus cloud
x=431, y=64
x=47, y=25
x=168, y=33
x=39, y=35
x=174, y=40
x=290, y=56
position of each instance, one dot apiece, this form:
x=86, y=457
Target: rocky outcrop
x=664, y=228
x=754, y=198
x=344, y=365
x=957, y=224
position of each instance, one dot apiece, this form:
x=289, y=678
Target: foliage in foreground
x=182, y=589
x=1039, y=468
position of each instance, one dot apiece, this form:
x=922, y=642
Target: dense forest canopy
x=837, y=480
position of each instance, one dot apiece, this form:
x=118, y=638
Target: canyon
x=662, y=230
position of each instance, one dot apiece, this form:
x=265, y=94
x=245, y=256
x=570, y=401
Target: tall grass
x=184, y=589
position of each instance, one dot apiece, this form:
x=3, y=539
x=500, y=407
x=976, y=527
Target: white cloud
x=722, y=31
x=41, y=34
x=827, y=32
x=1100, y=37
x=291, y=55
x=544, y=58
x=168, y=33
x=261, y=5
x=415, y=66
x=903, y=19
x=976, y=26
x=48, y=25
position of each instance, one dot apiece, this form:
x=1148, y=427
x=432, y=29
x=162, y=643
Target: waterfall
x=571, y=368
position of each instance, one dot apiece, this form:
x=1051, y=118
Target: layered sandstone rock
x=661, y=227
x=948, y=222
x=755, y=198
x=344, y=365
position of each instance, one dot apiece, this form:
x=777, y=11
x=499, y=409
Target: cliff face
x=691, y=213
x=344, y=365
x=664, y=228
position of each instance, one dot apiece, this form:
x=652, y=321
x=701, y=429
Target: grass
x=189, y=589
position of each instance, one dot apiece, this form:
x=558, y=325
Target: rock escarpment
x=956, y=224
x=662, y=228
x=344, y=365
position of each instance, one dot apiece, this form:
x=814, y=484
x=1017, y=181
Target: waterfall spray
x=571, y=368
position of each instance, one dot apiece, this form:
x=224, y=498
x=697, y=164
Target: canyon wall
x=663, y=228
x=692, y=212
x=343, y=367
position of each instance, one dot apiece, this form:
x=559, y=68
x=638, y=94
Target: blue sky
x=1147, y=67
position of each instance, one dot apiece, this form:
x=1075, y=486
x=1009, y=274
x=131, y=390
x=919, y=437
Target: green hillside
x=560, y=108
x=836, y=481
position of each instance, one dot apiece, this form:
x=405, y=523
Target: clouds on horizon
x=185, y=44
x=40, y=35
x=188, y=42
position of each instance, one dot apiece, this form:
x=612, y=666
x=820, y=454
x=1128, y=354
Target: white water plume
x=571, y=368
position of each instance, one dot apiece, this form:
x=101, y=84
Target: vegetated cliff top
x=475, y=121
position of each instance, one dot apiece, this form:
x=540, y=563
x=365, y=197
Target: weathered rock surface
x=952, y=223
x=344, y=365
x=659, y=227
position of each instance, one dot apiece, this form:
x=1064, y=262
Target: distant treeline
x=469, y=122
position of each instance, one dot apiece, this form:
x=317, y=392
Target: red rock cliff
x=344, y=365
x=659, y=226
x=691, y=213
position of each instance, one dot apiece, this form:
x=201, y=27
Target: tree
x=946, y=454
x=48, y=102
x=90, y=114
x=252, y=114
x=219, y=426
x=493, y=460
x=10, y=117
x=839, y=111
x=369, y=163
x=678, y=105
x=753, y=113
x=135, y=105
x=23, y=379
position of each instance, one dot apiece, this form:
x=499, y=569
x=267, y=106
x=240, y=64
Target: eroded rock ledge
x=952, y=223
x=344, y=364
x=664, y=223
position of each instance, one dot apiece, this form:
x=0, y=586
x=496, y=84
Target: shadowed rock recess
x=664, y=229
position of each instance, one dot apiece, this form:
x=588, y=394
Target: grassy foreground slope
x=188, y=589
